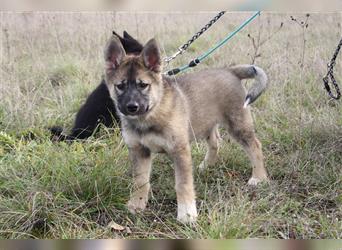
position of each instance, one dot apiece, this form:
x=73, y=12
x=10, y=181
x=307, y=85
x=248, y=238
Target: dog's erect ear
x=127, y=36
x=113, y=53
x=122, y=40
x=131, y=45
x=116, y=34
x=151, y=56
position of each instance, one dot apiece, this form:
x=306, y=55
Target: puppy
x=164, y=114
x=99, y=107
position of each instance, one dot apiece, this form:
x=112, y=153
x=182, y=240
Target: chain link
x=182, y=48
x=331, y=75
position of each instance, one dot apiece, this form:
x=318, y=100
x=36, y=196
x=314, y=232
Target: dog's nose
x=132, y=107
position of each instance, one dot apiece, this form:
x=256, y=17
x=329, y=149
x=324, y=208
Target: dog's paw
x=253, y=181
x=137, y=204
x=187, y=213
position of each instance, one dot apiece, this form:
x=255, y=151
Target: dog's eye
x=120, y=86
x=143, y=85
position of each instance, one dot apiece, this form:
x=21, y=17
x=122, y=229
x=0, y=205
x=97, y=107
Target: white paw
x=137, y=204
x=255, y=181
x=187, y=212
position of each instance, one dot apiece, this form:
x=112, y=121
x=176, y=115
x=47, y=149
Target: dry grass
x=51, y=61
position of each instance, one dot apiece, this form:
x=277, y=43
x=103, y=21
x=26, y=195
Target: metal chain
x=182, y=48
x=331, y=75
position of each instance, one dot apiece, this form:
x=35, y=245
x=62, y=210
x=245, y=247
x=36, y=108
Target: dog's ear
x=123, y=41
x=151, y=56
x=113, y=53
x=131, y=45
x=127, y=36
x=116, y=34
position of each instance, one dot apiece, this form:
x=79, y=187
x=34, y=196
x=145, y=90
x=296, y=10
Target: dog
x=99, y=107
x=161, y=114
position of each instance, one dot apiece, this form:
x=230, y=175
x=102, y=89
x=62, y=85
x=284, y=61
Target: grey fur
x=260, y=84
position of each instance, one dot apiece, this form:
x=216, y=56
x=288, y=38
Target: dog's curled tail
x=259, y=85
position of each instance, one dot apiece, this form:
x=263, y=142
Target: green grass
x=60, y=190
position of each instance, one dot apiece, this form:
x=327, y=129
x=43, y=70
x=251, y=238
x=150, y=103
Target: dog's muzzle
x=134, y=109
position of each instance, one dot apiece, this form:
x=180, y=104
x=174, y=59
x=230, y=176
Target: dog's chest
x=155, y=141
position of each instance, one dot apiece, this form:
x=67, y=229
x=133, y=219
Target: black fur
x=130, y=45
x=99, y=107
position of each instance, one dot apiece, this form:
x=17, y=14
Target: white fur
x=152, y=141
x=130, y=139
x=155, y=142
x=245, y=105
x=254, y=181
x=135, y=204
x=187, y=212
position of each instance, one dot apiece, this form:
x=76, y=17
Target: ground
x=50, y=62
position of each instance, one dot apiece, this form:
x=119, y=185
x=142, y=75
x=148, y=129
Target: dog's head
x=134, y=81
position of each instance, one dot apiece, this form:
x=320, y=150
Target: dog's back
x=213, y=93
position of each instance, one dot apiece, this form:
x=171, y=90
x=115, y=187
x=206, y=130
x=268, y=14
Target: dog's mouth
x=140, y=112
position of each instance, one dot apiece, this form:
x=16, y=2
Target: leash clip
x=170, y=58
x=194, y=62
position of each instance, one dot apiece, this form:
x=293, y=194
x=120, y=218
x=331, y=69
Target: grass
x=51, y=61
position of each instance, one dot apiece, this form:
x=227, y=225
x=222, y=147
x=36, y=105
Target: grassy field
x=50, y=62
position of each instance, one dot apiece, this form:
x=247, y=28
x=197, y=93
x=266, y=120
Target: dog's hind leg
x=212, y=149
x=141, y=163
x=240, y=127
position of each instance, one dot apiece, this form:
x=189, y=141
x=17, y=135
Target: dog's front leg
x=181, y=157
x=141, y=163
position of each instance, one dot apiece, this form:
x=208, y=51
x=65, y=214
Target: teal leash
x=199, y=59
